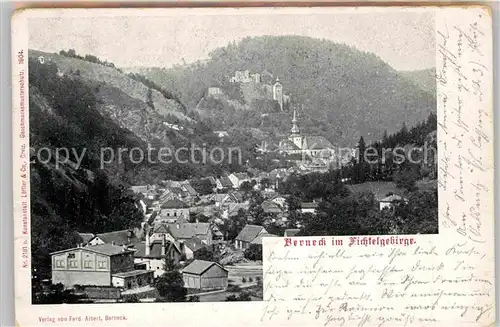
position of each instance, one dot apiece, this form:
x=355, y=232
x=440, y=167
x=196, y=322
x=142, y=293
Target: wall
x=214, y=278
x=191, y=280
x=71, y=278
x=133, y=281
x=173, y=213
x=122, y=262
x=80, y=260
x=102, y=292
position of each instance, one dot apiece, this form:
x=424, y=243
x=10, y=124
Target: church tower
x=295, y=136
x=278, y=92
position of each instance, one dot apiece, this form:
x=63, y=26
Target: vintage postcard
x=292, y=166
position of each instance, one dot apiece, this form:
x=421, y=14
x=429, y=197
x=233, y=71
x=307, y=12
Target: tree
x=246, y=186
x=406, y=178
x=265, y=183
x=204, y=254
x=293, y=202
x=132, y=299
x=253, y=252
x=170, y=285
x=243, y=296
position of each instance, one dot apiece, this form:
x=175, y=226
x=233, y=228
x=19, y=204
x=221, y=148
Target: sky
x=405, y=40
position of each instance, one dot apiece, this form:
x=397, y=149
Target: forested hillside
x=344, y=92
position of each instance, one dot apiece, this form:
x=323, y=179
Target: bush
x=243, y=280
x=250, y=279
x=233, y=288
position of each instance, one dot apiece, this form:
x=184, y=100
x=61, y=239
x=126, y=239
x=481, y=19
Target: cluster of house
x=177, y=201
x=128, y=260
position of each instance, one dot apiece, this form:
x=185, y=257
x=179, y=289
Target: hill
x=424, y=79
x=129, y=102
x=344, y=92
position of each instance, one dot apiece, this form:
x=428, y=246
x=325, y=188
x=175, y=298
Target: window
x=59, y=263
x=87, y=264
x=175, y=213
x=101, y=264
x=168, y=214
x=71, y=256
x=73, y=264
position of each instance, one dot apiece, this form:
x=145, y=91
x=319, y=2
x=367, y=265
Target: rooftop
x=105, y=249
x=118, y=237
x=198, y=267
x=249, y=233
x=174, y=204
x=131, y=273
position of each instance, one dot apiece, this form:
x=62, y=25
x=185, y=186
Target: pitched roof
x=154, y=249
x=86, y=237
x=198, y=267
x=188, y=230
x=189, y=189
x=258, y=239
x=119, y=237
x=288, y=145
x=233, y=208
x=194, y=244
x=174, y=204
x=161, y=229
x=308, y=205
x=241, y=176
x=249, y=233
x=225, y=182
x=316, y=143
x=269, y=206
x=292, y=231
x=139, y=188
x=105, y=249
x=392, y=198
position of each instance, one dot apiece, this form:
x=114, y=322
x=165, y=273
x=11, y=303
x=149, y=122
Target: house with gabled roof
x=98, y=265
x=271, y=207
x=308, y=207
x=205, y=276
x=85, y=238
x=223, y=183
x=389, y=202
x=192, y=246
x=173, y=210
x=119, y=237
x=185, y=231
x=153, y=255
x=248, y=234
x=238, y=178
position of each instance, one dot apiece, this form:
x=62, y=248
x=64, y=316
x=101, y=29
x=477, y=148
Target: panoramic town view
x=158, y=183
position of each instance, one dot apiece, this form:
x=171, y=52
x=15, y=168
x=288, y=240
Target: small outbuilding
x=205, y=276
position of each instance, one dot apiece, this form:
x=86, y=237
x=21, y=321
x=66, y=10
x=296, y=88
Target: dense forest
x=391, y=156
x=331, y=85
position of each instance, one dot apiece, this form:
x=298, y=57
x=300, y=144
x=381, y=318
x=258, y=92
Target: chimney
x=163, y=245
x=148, y=244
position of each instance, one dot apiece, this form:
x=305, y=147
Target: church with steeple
x=316, y=149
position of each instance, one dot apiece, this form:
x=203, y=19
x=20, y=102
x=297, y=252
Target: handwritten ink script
x=419, y=284
x=464, y=90
x=434, y=280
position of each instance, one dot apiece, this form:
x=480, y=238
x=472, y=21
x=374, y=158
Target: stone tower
x=278, y=92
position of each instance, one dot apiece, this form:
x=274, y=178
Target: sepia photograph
x=164, y=149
